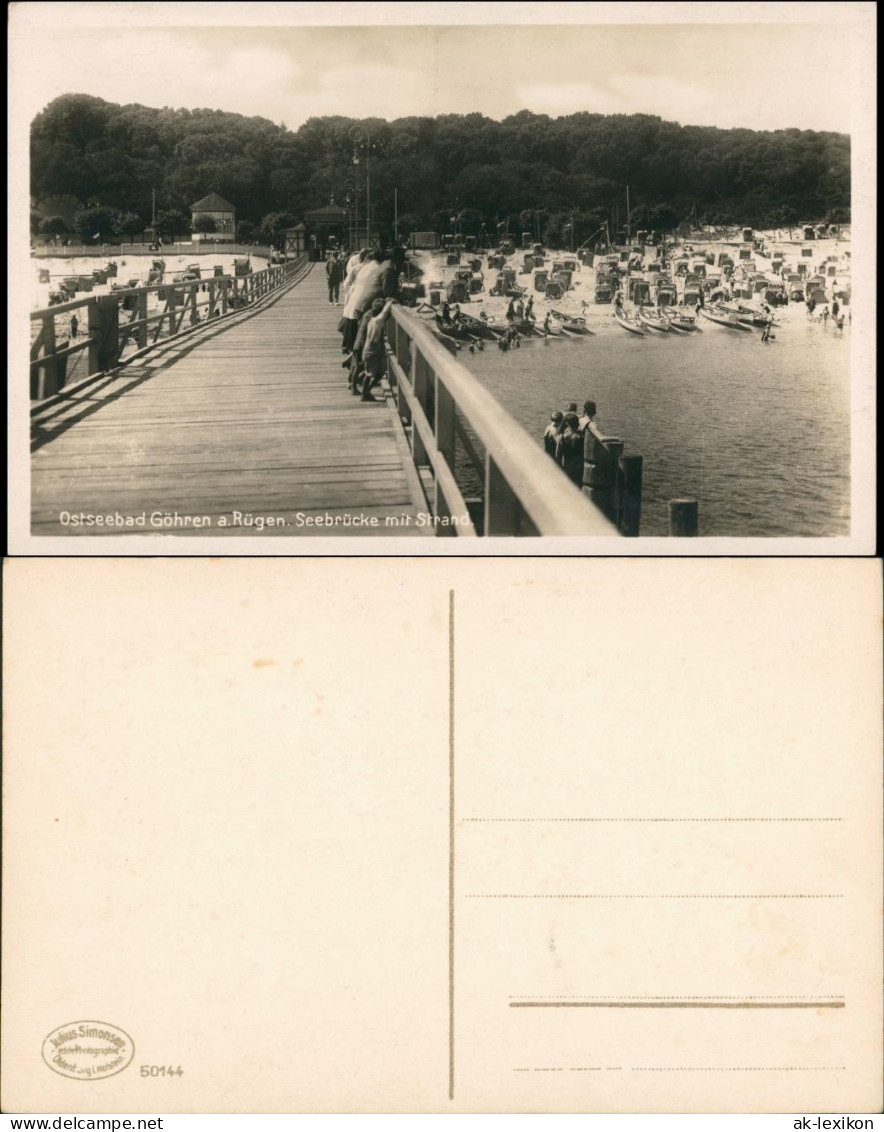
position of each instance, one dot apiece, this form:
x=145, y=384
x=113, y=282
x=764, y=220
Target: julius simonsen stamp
x=88, y=1051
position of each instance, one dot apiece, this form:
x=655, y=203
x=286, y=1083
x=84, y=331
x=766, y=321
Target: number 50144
x=161, y=1071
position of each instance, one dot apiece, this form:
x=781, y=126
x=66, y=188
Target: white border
x=859, y=89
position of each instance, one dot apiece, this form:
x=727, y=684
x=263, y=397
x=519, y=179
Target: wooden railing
x=612, y=480
x=107, y=335
x=142, y=247
x=452, y=422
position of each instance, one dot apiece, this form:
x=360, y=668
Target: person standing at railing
x=569, y=450
x=391, y=269
x=334, y=271
x=356, y=367
x=355, y=261
x=553, y=433
x=373, y=353
x=351, y=271
x=366, y=288
x=588, y=417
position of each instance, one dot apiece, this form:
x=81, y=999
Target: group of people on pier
x=565, y=436
x=368, y=283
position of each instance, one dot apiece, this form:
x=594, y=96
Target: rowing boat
x=683, y=322
x=627, y=323
x=654, y=321
x=572, y=323
x=724, y=318
x=453, y=330
x=526, y=328
x=747, y=314
x=480, y=328
x=447, y=342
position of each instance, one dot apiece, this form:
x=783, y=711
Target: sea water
x=757, y=432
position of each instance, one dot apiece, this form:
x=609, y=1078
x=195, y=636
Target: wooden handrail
x=107, y=335
x=525, y=493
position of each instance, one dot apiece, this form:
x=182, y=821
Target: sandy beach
x=131, y=270
x=579, y=300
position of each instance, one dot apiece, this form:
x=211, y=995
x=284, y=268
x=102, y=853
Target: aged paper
x=412, y=836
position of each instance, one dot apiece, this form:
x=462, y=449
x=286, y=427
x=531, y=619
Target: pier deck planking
x=255, y=417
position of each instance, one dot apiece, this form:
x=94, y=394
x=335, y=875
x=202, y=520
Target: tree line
x=557, y=177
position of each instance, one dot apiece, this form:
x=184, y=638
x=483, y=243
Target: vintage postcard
x=357, y=836
x=442, y=279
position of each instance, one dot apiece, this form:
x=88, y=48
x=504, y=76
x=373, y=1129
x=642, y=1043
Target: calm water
x=758, y=433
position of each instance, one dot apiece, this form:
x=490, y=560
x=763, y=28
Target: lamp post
x=362, y=138
x=352, y=202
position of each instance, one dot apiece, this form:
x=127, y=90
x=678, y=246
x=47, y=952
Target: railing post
x=629, y=510
x=171, y=304
x=420, y=379
x=403, y=348
x=47, y=380
x=444, y=422
x=502, y=510
x=141, y=315
x=225, y=286
x=401, y=399
x=614, y=450
x=600, y=470
x=444, y=430
x=683, y=518
x=104, y=332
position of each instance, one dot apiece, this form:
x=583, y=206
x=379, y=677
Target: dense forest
x=528, y=168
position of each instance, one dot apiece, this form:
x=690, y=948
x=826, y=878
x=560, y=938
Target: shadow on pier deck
x=251, y=417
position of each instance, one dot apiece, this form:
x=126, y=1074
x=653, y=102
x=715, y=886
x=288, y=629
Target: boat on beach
x=627, y=323
x=449, y=343
x=653, y=320
x=572, y=323
x=481, y=328
x=453, y=330
x=526, y=328
x=747, y=314
x=724, y=318
x=683, y=323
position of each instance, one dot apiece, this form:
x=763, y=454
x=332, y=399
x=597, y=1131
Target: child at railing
x=373, y=355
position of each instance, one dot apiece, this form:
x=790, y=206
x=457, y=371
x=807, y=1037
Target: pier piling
x=683, y=518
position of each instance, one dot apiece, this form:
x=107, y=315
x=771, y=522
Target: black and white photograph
x=580, y=271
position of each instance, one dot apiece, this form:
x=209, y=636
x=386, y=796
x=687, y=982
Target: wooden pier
x=242, y=422
x=252, y=416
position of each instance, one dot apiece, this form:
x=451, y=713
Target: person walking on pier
x=334, y=271
x=552, y=433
